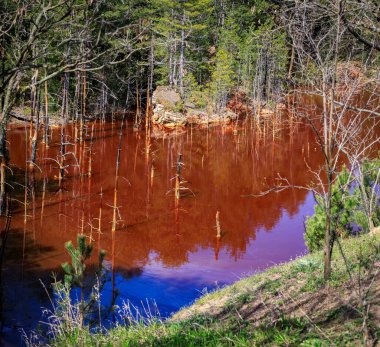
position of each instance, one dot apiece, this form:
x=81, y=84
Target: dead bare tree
x=323, y=49
x=45, y=35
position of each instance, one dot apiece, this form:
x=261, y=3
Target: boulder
x=167, y=97
x=166, y=101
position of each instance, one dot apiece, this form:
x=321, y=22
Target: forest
x=142, y=141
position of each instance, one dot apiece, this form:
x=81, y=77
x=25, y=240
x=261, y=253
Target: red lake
x=163, y=250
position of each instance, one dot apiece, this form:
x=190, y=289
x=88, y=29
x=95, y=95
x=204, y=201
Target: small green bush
x=351, y=198
x=343, y=205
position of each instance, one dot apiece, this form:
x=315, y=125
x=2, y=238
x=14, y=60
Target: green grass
x=195, y=332
x=307, y=270
x=201, y=332
x=217, y=318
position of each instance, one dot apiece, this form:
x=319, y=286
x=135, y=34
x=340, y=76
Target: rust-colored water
x=161, y=251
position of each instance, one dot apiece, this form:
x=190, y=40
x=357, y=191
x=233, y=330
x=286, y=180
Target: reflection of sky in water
x=175, y=287
x=169, y=294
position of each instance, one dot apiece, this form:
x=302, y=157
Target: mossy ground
x=287, y=305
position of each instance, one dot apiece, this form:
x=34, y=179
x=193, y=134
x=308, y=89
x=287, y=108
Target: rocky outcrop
x=170, y=112
x=169, y=119
x=167, y=111
x=195, y=116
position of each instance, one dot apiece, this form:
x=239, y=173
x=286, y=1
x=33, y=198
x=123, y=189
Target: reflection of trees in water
x=23, y=294
x=220, y=168
x=28, y=264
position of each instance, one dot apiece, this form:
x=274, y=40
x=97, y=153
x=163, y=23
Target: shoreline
x=287, y=304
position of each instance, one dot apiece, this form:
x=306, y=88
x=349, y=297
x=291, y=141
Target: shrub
x=343, y=205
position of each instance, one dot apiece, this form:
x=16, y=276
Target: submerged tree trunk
x=63, y=140
x=3, y=165
x=7, y=97
x=138, y=112
x=84, y=106
x=35, y=117
x=114, y=220
x=76, y=105
x=46, y=120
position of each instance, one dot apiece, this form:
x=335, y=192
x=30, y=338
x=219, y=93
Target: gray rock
x=167, y=97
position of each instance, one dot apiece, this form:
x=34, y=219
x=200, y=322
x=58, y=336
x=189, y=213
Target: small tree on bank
x=321, y=40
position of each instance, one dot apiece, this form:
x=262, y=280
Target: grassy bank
x=287, y=305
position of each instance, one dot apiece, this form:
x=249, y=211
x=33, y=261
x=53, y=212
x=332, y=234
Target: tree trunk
x=291, y=64
x=3, y=165
x=182, y=58
x=84, y=106
x=76, y=104
x=35, y=116
x=46, y=121
x=329, y=152
x=327, y=244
